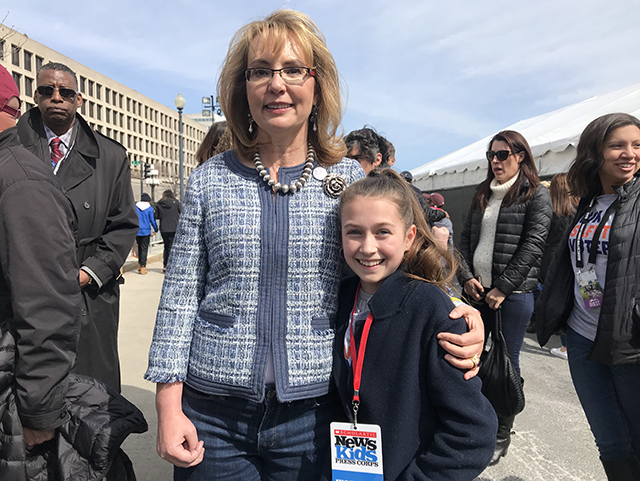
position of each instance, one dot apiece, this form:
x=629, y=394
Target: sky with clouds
x=432, y=76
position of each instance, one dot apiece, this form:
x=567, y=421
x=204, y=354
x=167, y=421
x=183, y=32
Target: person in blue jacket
x=435, y=425
x=146, y=218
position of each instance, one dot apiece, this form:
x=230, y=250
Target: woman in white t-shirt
x=595, y=293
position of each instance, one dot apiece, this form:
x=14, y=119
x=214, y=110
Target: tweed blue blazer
x=250, y=273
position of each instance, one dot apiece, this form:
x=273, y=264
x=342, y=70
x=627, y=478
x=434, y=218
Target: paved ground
x=552, y=440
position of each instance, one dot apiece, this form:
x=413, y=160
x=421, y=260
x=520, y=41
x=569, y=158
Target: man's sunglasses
x=502, y=155
x=65, y=93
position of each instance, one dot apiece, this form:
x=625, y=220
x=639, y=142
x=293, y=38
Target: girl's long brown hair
x=563, y=202
x=425, y=259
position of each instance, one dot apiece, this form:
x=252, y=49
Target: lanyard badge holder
x=590, y=288
x=356, y=449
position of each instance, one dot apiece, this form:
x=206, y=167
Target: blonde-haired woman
x=242, y=349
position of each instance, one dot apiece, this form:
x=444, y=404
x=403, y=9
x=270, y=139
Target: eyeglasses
x=15, y=113
x=502, y=155
x=65, y=92
x=290, y=75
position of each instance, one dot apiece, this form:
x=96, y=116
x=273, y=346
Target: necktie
x=56, y=153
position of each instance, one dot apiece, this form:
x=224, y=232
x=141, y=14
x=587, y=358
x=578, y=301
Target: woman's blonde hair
x=279, y=27
x=425, y=259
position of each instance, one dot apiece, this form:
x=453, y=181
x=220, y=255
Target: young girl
x=434, y=424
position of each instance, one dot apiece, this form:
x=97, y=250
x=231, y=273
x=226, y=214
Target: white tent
x=553, y=138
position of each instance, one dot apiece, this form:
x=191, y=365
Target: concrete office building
x=148, y=129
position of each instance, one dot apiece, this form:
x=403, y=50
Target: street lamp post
x=180, y=105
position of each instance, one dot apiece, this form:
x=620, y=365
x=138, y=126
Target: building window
x=108, y=132
x=122, y=121
x=107, y=94
x=107, y=115
x=15, y=55
x=90, y=109
x=27, y=60
x=91, y=84
x=83, y=108
x=128, y=123
x=39, y=63
x=1, y=49
x=83, y=81
x=128, y=104
x=99, y=112
x=28, y=87
x=98, y=89
x=16, y=79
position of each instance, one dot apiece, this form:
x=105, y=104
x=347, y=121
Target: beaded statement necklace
x=294, y=186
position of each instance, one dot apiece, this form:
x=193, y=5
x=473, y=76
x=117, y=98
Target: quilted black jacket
x=618, y=336
x=98, y=420
x=521, y=235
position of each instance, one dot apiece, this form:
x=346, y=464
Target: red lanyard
x=357, y=360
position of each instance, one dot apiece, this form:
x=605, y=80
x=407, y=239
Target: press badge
x=590, y=289
x=356, y=454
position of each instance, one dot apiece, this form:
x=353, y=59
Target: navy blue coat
x=435, y=425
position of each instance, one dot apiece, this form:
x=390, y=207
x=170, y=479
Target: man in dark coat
x=94, y=171
x=39, y=291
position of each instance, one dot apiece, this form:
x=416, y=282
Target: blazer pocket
x=221, y=321
x=323, y=324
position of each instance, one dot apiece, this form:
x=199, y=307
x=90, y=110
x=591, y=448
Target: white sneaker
x=558, y=352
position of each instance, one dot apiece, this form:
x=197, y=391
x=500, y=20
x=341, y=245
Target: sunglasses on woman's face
x=502, y=155
x=65, y=93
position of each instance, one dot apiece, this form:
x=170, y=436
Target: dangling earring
x=251, y=122
x=313, y=118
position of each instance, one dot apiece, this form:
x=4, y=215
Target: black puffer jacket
x=558, y=226
x=521, y=234
x=618, y=336
x=86, y=444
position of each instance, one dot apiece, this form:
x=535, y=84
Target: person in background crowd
x=168, y=212
x=502, y=243
x=592, y=289
x=443, y=228
x=148, y=228
x=217, y=140
x=243, y=345
x=364, y=145
x=564, y=208
x=435, y=425
x=42, y=316
x=94, y=171
x=391, y=154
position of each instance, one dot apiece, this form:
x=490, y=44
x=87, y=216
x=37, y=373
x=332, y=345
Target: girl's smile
x=374, y=239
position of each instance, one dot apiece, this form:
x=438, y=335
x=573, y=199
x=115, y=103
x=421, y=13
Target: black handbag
x=501, y=384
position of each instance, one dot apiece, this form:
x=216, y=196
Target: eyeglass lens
x=502, y=155
x=47, y=91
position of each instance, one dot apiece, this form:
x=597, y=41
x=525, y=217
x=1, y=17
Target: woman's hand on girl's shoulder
x=462, y=348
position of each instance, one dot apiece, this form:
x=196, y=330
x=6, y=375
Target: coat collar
x=390, y=297
x=31, y=130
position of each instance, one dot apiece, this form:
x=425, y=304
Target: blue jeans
x=609, y=397
x=245, y=440
x=516, y=312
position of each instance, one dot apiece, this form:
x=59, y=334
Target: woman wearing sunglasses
x=502, y=243
x=594, y=294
